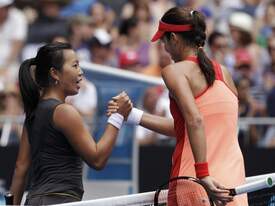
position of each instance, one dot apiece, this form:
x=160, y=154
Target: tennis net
x=265, y=197
x=260, y=189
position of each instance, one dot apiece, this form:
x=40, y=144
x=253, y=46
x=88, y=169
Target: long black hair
x=34, y=73
x=194, y=38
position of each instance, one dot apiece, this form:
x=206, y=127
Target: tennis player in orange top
x=204, y=106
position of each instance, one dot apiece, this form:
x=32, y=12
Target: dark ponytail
x=28, y=88
x=206, y=66
x=194, y=38
x=205, y=63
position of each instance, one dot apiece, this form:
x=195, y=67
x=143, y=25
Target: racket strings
x=184, y=192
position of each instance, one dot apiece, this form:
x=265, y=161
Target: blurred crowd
x=241, y=36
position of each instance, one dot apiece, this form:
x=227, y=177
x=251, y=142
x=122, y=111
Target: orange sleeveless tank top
x=218, y=106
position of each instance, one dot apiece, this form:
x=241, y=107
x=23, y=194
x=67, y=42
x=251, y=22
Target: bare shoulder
x=180, y=72
x=65, y=114
x=173, y=72
x=228, y=79
x=167, y=72
x=65, y=110
x=167, y=69
x=179, y=68
x=175, y=78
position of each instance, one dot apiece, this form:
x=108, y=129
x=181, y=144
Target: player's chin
x=76, y=92
x=76, y=88
x=73, y=92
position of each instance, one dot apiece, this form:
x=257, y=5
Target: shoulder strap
x=218, y=70
x=192, y=59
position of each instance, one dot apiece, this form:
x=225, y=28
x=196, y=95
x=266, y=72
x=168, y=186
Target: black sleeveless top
x=55, y=167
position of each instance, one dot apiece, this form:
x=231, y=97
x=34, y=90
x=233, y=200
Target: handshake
x=120, y=108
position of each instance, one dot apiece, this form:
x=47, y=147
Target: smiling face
x=71, y=74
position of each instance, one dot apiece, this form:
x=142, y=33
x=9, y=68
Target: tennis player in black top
x=54, y=139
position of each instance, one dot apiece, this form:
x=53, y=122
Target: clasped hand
x=121, y=104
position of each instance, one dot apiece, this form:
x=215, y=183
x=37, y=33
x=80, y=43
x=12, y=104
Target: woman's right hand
x=121, y=104
x=112, y=108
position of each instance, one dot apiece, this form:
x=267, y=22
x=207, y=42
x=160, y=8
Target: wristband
x=116, y=120
x=201, y=169
x=135, y=116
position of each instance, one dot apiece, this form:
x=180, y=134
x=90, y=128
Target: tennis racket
x=183, y=191
x=190, y=191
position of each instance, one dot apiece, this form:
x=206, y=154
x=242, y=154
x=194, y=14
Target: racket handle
x=232, y=192
x=253, y=186
x=9, y=198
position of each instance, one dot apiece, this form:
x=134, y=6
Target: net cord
x=147, y=198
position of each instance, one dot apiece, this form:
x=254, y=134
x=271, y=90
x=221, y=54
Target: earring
x=56, y=82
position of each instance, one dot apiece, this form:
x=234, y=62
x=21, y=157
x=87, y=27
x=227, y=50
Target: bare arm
x=71, y=124
x=178, y=85
x=152, y=122
x=158, y=124
x=21, y=169
x=69, y=121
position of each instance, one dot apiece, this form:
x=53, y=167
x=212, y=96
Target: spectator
x=11, y=42
x=140, y=10
x=220, y=10
x=250, y=6
x=269, y=138
x=11, y=106
x=81, y=29
x=150, y=99
x=243, y=66
x=46, y=26
x=116, y=6
x=131, y=42
x=77, y=7
x=248, y=107
x=103, y=18
x=269, y=74
x=219, y=49
x=265, y=21
x=241, y=27
x=100, y=46
x=49, y=23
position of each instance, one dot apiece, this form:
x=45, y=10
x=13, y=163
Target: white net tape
x=254, y=183
x=146, y=198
